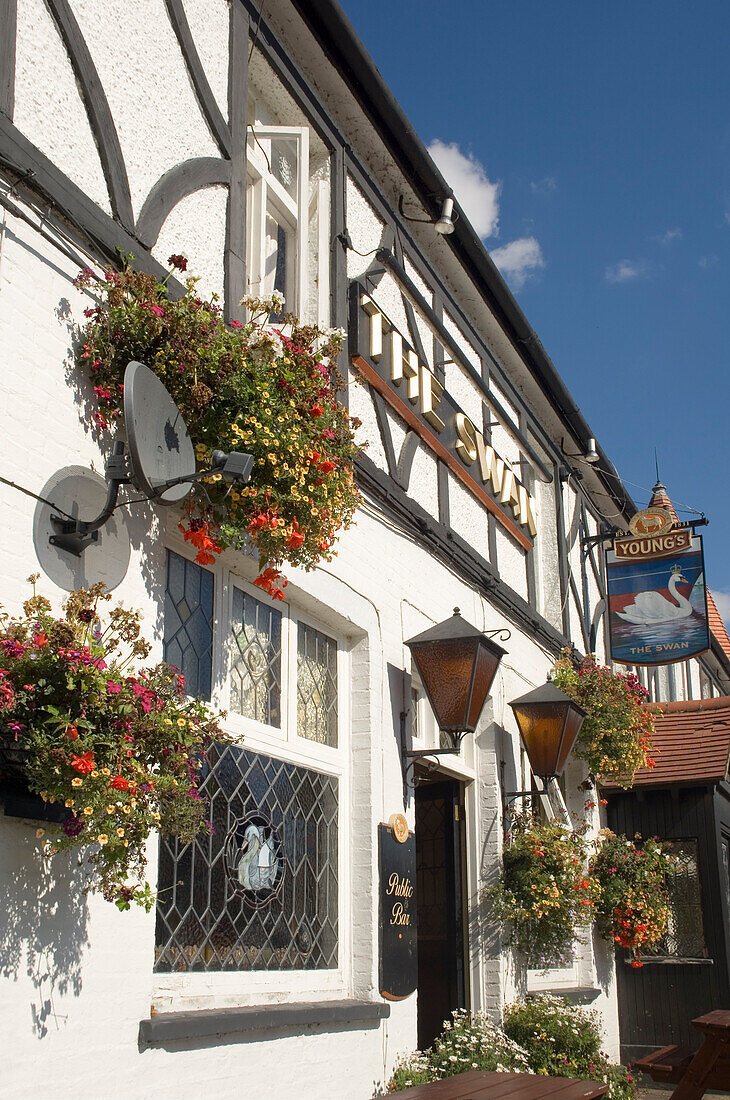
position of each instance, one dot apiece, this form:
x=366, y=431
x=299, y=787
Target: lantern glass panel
x=541, y=727
x=484, y=671
x=446, y=674
x=573, y=723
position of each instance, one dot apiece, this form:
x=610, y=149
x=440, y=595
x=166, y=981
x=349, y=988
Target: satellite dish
x=76, y=491
x=161, y=454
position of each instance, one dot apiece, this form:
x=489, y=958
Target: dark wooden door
x=439, y=891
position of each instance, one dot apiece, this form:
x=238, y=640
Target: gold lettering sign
x=478, y=466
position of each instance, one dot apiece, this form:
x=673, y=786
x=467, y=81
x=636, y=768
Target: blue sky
x=592, y=144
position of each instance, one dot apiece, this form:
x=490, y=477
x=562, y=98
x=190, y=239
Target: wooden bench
x=693, y=1072
x=478, y=1085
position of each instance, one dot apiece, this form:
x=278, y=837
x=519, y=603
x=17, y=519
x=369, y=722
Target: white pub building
x=264, y=146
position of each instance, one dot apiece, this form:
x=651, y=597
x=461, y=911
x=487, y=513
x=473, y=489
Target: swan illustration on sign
x=254, y=859
x=652, y=607
x=657, y=608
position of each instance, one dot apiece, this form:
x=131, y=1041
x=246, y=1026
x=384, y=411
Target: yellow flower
x=76, y=782
x=94, y=775
x=181, y=721
x=168, y=721
x=120, y=832
x=126, y=843
x=44, y=795
x=88, y=810
x=69, y=803
x=110, y=809
x=105, y=771
x=125, y=809
x=40, y=832
x=102, y=838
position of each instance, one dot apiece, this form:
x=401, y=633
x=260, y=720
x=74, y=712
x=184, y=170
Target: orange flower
x=84, y=763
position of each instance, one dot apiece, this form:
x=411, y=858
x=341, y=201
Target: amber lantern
x=549, y=722
x=457, y=664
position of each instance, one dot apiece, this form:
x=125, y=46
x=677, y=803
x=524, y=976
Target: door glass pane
x=284, y=166
x=255, y=660
x=316, y=686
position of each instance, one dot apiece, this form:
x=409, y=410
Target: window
x=685, y=937
x=261, y=892
x=277, y=212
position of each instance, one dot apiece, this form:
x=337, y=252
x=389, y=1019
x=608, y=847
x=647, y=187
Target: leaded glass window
x=685, y=937
x=188, y=641
x=255, y=659
x=316, y=686
x=260, y=892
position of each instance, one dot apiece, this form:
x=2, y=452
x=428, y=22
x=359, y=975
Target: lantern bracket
x=503, y=633
x=415, y=754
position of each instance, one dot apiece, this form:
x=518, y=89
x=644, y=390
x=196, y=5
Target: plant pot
x=17, y=799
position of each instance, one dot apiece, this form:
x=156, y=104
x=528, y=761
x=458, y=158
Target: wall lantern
x=457, y=664
x=549, y=722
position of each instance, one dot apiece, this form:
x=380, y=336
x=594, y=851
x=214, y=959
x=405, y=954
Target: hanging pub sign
x=398, y=947
x=657, y=606
x=390, y=365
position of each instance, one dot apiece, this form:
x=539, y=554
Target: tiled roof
x=660, y=499
x=717, y=626
x=691, y=741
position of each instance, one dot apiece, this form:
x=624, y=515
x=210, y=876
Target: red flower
x=84, y=763
x=236, y=324
x=326, y=467
x=267, y=580
x=178, y=261
x=206, y=546
x=72, y=733
x=119, y=783
x=295, y=540
x=40, y=640
x=316, y=411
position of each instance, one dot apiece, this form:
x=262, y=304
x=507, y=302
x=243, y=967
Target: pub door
x=440, y=878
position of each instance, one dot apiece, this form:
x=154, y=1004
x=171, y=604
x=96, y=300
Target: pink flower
x=112, y=688
x=236, y=324
x=157, y=310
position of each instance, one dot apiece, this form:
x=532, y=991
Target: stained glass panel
x=205, y=920
x=316, y=686
x=188, y=641
x=256, y=659
x=685, y=937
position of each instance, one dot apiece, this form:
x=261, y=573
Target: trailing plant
x=543, y=893
x=615, y=739
x=118, y=749
x=564, y=1040
x=633, y=907
x=467, y=1042
x=270, y=391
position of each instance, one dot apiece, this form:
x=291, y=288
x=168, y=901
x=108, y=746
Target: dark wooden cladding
x=658, y=1001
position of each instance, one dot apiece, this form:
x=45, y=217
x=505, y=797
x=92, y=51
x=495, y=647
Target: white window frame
x=265, y=194
x=221, y=989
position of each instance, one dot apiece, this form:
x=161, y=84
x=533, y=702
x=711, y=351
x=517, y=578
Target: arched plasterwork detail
x=174, y=185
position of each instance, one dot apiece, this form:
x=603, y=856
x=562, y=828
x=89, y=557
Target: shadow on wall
x=43, y=922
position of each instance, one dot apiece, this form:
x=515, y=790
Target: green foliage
x=564, y=1040
x=248, y=387
x=615, y=739
x=543, y=893
x=119, y=749
x=633, y=909
x=468, y=1042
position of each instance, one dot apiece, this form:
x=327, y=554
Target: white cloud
x=476, y=194
x=722, y=602
x=518, y=259
x=708, y=261
x=627, y=270
x=669, y=235
x=544, y=186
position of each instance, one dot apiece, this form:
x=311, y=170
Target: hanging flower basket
x=633, y=907
x=117, y=751
x=615, y=739
x=268, y=390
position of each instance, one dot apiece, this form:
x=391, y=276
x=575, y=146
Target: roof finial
x=656, y=462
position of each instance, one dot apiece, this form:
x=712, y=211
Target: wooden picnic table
x=478, y=1085
x=695, y=1071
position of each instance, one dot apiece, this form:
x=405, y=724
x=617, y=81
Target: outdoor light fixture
x=445, y=221
x=457, y=664
x=445, y=225
x=549, y=722
x=592, y=454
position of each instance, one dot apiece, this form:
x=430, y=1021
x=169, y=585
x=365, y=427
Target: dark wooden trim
x=234, y=256
x=40, y=176
x=97, y=109
x=562, y=550
x=386, y=436
x=8, y=35
x=449, y=547
x=442, y=475
x=209, y=107
x=182, y=180
x=435, y=444
x=408, y=449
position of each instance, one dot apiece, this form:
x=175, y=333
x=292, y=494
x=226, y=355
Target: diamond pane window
x=316, y=686
x=255, y=659
x=188, y=641
x=685, y=938
x=214, y=911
